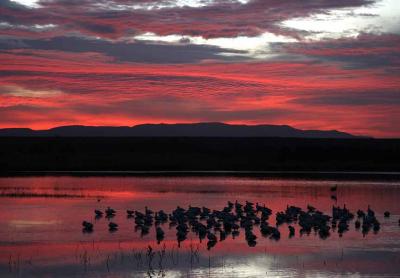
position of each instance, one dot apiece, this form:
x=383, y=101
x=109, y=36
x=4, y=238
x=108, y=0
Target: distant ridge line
x=213, y=129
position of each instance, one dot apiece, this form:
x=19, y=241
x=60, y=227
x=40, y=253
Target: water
x=41, y=233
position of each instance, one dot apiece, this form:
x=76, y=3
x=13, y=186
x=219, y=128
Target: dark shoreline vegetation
x=39, y=195
x=53, y=192
x=219, y=156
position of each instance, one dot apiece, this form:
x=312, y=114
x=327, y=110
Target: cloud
x=122, y=62
x=27, y=93
x=96, y=90
x=212, y=19
x=351, y=98
x=380, y=17
x=139, y=52
x=172, y=108
x=363, y=51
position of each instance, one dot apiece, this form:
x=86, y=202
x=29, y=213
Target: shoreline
x=342, y=175
x=270, y=157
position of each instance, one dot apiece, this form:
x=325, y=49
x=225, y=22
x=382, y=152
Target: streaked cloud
x=27, y=93
x=28, y=3
x=311, y=64
x=380, y=17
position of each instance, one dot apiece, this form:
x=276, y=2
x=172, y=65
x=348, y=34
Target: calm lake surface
x=41, y=228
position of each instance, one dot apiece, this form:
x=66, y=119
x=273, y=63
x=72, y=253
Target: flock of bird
x=216, y=225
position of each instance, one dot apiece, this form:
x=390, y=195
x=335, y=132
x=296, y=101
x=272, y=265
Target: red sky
x=118, y=63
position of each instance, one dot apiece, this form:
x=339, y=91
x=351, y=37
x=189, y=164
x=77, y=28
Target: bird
x=110, y=211
x=211, y=237
x=159, y=234
x=377, y=226
x=291, y=231
x=386, y=214
x=360, y=213
x=144, y=230
x=87, y=226
x=148, y=211
x=370, y=212
x=310, y=208
x=222, y=235
x=112, y=226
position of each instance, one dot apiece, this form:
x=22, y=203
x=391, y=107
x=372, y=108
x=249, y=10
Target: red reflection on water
x=49, y=229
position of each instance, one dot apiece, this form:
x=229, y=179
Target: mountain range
x=176, y=130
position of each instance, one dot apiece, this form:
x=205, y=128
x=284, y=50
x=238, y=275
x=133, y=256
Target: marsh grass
x=152, y=261
x=157, y=261
x=22, y=192
x=14, y=263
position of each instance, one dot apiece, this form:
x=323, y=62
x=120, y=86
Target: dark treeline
x=198, y=154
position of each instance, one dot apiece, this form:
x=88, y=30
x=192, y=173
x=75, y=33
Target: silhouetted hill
x=176, y=130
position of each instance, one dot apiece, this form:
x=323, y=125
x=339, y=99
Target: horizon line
x=176, y=123
x=196, y=123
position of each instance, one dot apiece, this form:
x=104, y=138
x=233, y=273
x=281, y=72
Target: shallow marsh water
x=41, y=233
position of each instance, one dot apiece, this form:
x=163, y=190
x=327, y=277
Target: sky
x=311, y=64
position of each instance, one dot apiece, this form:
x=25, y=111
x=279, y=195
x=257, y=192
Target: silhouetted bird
x=211, y=237
x=211, y=244
x=370, y=212
x=87, y=226
x=110, y=211
x=98, y=212
x=147, y=211
x=112, y=226
x=222, y=235
x=310, y=208
x=360, y=213
x=291, y=231
x=159, y=234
